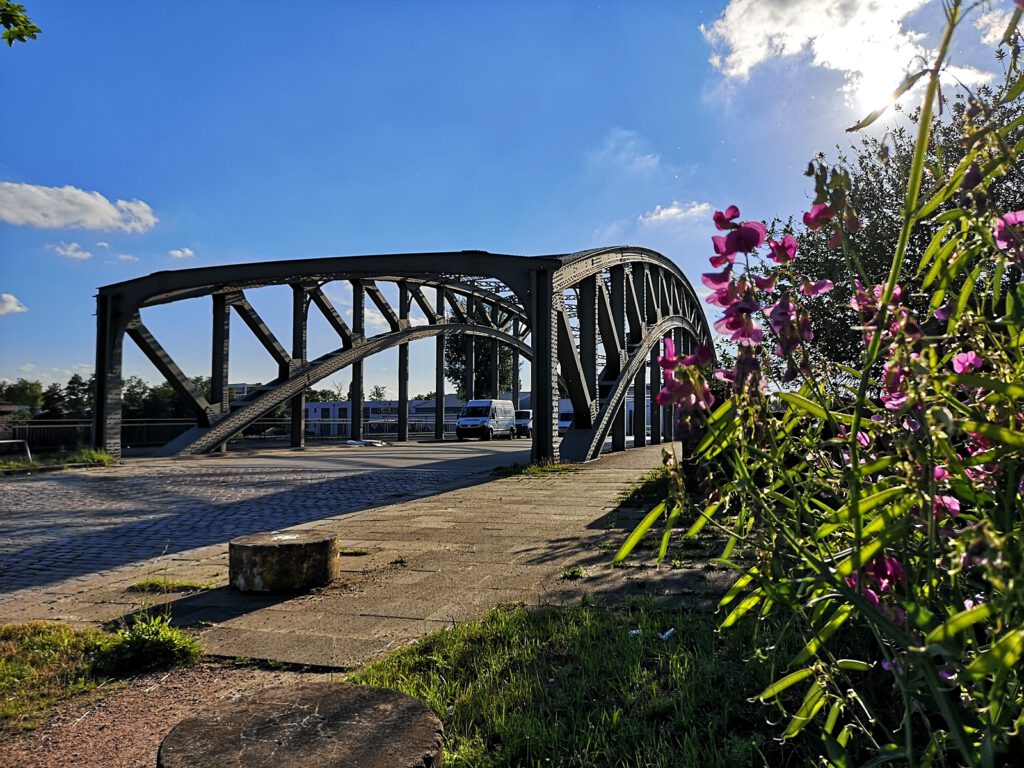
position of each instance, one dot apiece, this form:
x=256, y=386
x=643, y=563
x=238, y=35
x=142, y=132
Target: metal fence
x=67, y=436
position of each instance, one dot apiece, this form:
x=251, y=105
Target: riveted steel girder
x=587, y=321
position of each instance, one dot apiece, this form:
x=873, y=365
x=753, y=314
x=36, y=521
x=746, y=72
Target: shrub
x=884, y=503
x=148, y=642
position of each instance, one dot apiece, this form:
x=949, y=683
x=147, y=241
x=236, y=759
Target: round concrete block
x=309, y=725
x=283, y=561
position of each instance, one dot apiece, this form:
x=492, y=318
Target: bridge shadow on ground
x=176, y=512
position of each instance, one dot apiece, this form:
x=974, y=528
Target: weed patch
x=156, y=586
x=584, y=686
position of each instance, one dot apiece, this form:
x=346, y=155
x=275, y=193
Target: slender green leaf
x=639, y=532
x=738, y=586
x=744, y=607
x=853, y=665
x=813, y=408
x=703, y=519
x=1002, y=656
x=902, y=88
x=1011, y=28
x=822, y=636
x=977, y=381
x=933, y=246
x=957, y=623
x=813, y=701
x=994, y=432
x=870, y=502
x=783, y=683
x=667, y=534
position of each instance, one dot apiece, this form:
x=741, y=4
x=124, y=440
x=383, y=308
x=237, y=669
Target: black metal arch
x=593, y=319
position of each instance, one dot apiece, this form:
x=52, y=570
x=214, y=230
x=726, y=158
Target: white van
x=486, y=419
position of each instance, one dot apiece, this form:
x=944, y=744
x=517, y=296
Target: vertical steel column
x=617, y=281
x=495, y=358
x=403, y=365
x=677, y=337
x=586, y=311
x=111, y=323
x=544, y=370
x=220, y=397
x=656, y=415
x=439, y=371
x=297, y=404
x=355, y=397
x=515, y=364
x=638, y=274
x=469, y=344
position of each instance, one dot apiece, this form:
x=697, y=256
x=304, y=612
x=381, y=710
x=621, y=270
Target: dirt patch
x=124, y=725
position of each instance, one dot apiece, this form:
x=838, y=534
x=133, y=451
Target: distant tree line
x=141, y=400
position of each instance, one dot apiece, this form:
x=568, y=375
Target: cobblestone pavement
x=69, y=524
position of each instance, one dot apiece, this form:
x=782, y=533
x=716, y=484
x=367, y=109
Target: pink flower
x=717, y=280
x=1019, y=4
x=946, y=504
x=701, y=356
x=724, y=220
x=816, y=289
x=940, y=474
x=1009, y=232
x=669, y=361
x=835, y=242
x=783, y=252
x=766, y=284
x=965, y=362
x=744, y=238
x=817, y=216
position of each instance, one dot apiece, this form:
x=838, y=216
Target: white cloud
x=72, y=251
x=992, y=24
x=625, y=150
x=674, y=214
x=67, y=206
x=127, y=257
x=102, y=244
x=11, y=304
x=865, y=40
x=181, y=253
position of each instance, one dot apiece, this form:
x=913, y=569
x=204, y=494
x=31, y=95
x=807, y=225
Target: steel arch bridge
x=591, y=323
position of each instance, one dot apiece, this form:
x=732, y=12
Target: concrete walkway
x=412, y=567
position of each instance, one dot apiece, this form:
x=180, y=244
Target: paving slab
x=427, y=548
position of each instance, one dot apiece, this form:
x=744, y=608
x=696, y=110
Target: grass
x=649, y=490
x=534, y=470
x=87, y=456
x=573, y=572
x=159, y=586
x=573, y=687
x=352, y=552
x=43, y=663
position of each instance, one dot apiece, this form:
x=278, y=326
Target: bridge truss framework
x=591, y=323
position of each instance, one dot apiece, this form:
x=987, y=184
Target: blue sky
x=140, y=137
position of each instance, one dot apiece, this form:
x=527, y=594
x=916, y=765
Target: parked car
x=486, y=419
x=564, y=423
x=524, y=423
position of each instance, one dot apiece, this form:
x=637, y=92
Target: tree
x=320, y=395
x=18, y=27
x=877, y=173
x=23, y=392
x=133, y=397
x=78, y=397
x=428, y=396
x=54, y=405
x=455, y=367
x=377, y=393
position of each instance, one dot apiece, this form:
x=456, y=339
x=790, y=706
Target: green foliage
x=41, y=663
x=162, y=586
x=146, y=642
x=18, y=27
x=455, y=366
x=574, y=687
x=884, y=502
x=22, y=392
x=542, y=469
x=573, y=572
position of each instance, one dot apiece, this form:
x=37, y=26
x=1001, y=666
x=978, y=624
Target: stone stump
x=290, y=561
x=308, y=725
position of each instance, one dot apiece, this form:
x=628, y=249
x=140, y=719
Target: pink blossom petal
x=724, y=220
x=818, y=215
x=783, y=252
x=766, y=284
x=717, y=280
x=816, y=289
